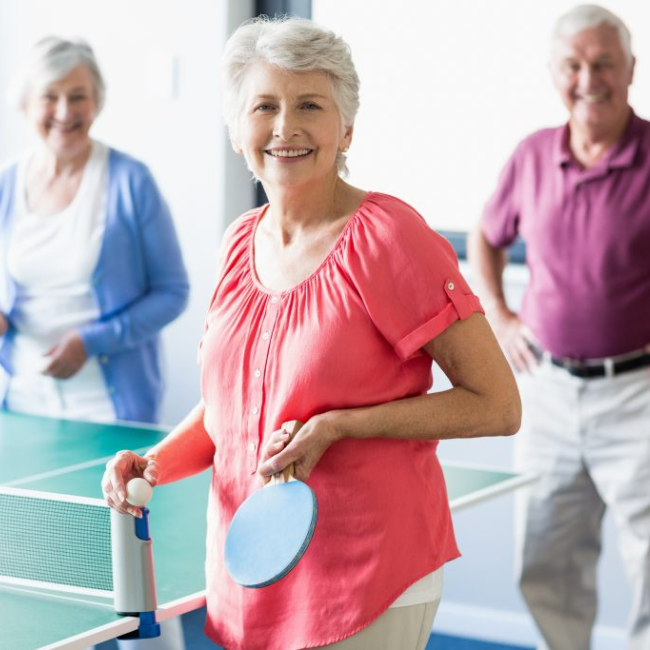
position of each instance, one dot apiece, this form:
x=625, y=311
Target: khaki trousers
x=398, y=628
x=589, y=440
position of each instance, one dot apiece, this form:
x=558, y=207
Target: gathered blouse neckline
x=337, y=244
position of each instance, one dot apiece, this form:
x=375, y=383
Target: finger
x=527, y=358
x=118, y=470
x=530, y=360
x=516, y=359
x=49, y=369
x=291, y=427
x=275, y=464
x=298, y=472
x=303, y=468
x=124, y=508
x=116, y=505
x=273, y=448
x=58, y=369
x=266, y=468
x=277, y=441
x=150, y=474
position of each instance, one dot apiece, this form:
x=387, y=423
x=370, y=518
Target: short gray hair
x=298, y=45
x=585, y=16
x=50, y=60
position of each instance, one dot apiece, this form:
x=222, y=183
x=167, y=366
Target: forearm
x=454, y=413
x=186, y=451
x=143, y=319
x=487, y=264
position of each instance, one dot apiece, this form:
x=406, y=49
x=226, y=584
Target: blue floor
x=443, y=642
x=196, y=640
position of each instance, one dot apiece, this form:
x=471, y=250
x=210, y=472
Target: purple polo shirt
x=587, y=234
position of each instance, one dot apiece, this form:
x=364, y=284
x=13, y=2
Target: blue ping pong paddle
x=270, y=531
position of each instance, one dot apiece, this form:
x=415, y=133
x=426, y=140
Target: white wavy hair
x=50, y=60
x=295, y=44
x=585, y=16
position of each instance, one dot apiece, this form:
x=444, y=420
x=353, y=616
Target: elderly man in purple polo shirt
x=579, y=196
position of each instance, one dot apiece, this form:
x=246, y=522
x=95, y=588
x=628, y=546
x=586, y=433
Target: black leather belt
x=597, y=368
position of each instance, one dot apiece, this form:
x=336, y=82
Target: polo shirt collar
x=561, y=151
x=622, y=154
x=624, y=151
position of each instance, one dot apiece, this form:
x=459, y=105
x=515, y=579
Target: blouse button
x=451, y=286
x=266, y=335
x=252, y=446
x=257, y=372
x=274, y=300
x=255, y=410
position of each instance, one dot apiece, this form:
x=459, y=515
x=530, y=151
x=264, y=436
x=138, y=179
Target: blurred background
x=448, y=88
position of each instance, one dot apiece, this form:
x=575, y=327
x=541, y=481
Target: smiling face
x=63, y=111
x=289, y=128
x=592, y=74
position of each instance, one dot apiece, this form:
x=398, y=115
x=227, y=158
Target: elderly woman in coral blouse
x=330, y=306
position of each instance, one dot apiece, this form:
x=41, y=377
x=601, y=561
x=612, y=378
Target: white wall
x=447, y=90
x=448, y=87
x=161, y=63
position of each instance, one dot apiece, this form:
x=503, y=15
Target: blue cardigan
x=140, y=285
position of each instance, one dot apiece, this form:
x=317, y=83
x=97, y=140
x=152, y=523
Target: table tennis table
x=68, y=457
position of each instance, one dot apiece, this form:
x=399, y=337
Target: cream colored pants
x=589, y=440
x=398, y=628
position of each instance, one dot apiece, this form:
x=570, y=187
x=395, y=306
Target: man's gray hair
x=50, y=60
x=297, y=45
x=585, y=16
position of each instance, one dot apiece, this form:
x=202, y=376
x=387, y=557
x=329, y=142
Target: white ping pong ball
x=138, y=492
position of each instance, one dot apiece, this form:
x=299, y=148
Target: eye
x=264, y=107
x=310, y=106
x=78, y=98
x=48, y=97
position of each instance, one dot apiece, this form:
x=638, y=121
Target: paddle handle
x=284, y=476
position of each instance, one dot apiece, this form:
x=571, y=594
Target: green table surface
x=68, y=457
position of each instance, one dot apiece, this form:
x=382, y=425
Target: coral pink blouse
x=349, y=335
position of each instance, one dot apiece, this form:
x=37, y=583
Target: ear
x=632, y=66
x=235, y=145
x=346, y=140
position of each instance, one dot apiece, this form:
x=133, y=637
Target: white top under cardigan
x=51, y=259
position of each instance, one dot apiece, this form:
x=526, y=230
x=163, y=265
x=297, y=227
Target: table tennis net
x=48, y=538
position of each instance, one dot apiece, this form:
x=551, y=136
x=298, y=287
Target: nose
x=286, y=124
x=62, y=110
x=586, y=77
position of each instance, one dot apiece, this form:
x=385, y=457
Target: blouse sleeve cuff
x=462, y=306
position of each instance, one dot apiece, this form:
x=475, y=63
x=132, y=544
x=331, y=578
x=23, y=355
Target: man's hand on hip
x=514, y=335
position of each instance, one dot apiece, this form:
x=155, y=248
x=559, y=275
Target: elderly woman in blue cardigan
x=90, y=266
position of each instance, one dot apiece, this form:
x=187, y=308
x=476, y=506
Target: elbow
x=502, y=414
x=183, y=298
x=510, y=420
x=177, y=298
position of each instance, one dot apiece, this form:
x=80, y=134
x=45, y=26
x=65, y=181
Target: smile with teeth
x=65, y=128
x=288, y=153
x=592, y=98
